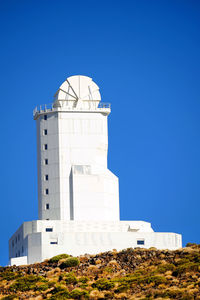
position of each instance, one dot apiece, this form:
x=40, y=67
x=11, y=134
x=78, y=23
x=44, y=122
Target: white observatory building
x=78, y=196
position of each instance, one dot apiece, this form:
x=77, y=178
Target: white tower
x=78, y=196
x=72, y=137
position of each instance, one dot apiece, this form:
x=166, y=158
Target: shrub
x=79, y=294
x=41, y=286
x=103, y=284
x=191, y=245
x=190, y=266
x=60, y=292
x=10, y=297
x=61, y=295
x=8, y=275
x=122, y=287
x=70, y=262
x=166, y=267
x=154, y=278
x=26, y=283
x=83, y=279
x=70, y=278
x=56, y=258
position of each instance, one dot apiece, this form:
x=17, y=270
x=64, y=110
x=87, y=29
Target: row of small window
x=17, y=238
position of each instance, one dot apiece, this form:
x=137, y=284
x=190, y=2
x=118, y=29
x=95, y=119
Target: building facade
x=78, y=196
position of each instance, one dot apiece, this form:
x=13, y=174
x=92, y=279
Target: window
x=12, y=243
x=140, y=242
x=45, y=117
x=50, y=229
x=46, y=191
x=47, y=219
x=19, y=253
x=22, y=249
x=46, y=161
x=82, y=169
x=53, y=243
x=45, y=131
x=18, y=237
x=47, y=206
x=15, y=240
x=46, y=177
x=45, y=146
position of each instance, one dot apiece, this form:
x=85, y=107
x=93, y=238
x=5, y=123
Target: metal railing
x=52, y=106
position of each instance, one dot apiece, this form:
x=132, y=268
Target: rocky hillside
x=128, y=274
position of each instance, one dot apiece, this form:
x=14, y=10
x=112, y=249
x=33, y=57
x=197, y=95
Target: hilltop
x=128, y=274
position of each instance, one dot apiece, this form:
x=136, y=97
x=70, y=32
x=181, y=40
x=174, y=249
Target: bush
x=190, y=266
x=83, y=279
x=79, y=294
x=122, y=287
x=103, y=284
x=165, y=267
x=70, y=262
x=191, y=245
x=56, y=258
x=154, y=278
x=10, y=297
x=59, y=292
x=26, y=283
x=61, y=295
x=8, y=275
x=70, y=278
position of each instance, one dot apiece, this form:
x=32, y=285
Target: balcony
x=68, y=105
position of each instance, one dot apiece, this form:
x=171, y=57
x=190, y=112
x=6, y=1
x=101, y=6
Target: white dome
x=78, y=87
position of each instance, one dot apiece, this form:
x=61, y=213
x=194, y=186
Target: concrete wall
x=75, y=141
x=79, y=243
x=80, y=237
x=51, y=139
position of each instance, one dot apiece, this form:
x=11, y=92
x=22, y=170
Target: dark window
x=12, y=243
x=45, y=131
x=16, y=240
x=47, y=219
x=18, y=237
x=47, y=206
x=22, y=249
x=49, y=229
x=140, y=242
x=53, y=243
x=47, y=191
x=45, y=117
x=18, y=253
x=46, y=177
x=46, y=161
x=45, y=146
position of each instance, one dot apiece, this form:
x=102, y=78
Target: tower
x=72, y=137
x=78, y=197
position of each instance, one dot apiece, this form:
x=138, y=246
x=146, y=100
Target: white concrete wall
x=83, y=141
x=95, y=197
x=18, y=261
x=51, y=169
x=80, y=243
x=80, y=237
x=75, y=139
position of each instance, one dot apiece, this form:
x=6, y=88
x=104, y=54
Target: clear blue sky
x=145, y=56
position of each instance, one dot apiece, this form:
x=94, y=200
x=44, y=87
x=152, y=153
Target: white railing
x=69, y=105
